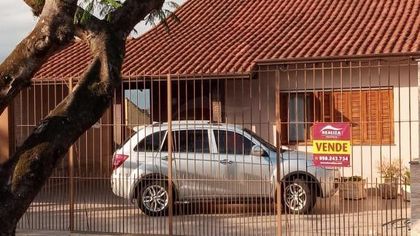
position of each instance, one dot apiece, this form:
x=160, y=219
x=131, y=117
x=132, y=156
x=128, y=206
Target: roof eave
x=140, y=77
x=238, y=75
x=264, y=62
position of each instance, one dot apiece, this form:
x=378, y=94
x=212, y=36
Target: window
x=229, y=142
x=369, y=111
x=196, y=141
x=300, y=113
x=151, y=143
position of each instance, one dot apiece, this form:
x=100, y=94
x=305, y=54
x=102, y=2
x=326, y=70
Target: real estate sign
x=332, y=144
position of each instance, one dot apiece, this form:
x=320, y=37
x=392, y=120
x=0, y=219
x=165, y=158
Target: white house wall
x=252, y=104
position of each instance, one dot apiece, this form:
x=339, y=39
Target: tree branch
x=89, y=31
x=53, y=31
x=35, y=5
x=35, y=160
x=131, y=13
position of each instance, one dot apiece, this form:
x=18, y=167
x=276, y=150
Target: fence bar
x=278, y=130
x=71, y=176
x=170, y=192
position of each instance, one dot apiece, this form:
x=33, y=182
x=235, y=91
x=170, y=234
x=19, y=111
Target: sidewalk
x=62, y=233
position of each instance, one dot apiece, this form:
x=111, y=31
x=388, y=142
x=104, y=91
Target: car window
x=151, y=143
x=229, y=142
x=189, y=141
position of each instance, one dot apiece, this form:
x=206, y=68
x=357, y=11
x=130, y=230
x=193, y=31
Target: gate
x=234, y=147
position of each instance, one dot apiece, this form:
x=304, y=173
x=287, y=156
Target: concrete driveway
x=97, y=210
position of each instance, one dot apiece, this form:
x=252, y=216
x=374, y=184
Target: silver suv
x=214, y=161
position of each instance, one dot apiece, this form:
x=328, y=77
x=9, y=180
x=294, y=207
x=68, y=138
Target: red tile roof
x=228, y=36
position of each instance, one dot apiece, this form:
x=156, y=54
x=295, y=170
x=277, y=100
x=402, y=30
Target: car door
x=146, y=150
x=198, y=175
x=250, y=175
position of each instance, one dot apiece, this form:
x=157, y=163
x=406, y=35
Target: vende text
x=331, y=147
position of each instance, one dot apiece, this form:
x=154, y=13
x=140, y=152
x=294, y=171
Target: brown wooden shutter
x=371, y=129
x=378, y=117
x=341, y=106
x=309, y=115
x=370, y=113
x=386, y=116
x=356, y=116
x=327, y=107
x=317, y=105
x=348, y=107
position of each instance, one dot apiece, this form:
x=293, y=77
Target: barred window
x=370, y=113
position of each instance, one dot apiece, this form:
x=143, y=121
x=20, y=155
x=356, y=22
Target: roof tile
x=228, y=36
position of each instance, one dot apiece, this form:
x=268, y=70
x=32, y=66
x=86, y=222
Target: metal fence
x=226, y=149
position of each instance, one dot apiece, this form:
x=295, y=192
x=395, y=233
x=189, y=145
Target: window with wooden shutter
x=370, y=113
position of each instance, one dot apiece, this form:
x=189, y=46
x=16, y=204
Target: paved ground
x=98, y=210
x=415, y=196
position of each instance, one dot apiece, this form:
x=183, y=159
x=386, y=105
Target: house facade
x=378, y=97
x=276, y=67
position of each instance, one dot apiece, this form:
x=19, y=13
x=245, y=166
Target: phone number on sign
x=333, y=158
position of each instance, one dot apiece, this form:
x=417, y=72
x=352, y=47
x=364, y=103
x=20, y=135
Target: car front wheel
x=298, y=197
x=153, y=198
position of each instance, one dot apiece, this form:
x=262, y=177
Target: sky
x=17, y=22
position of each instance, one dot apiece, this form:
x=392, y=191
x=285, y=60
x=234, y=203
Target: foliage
x=406, y=176
x=390, y=169
x=102, y=8
x=163, y=15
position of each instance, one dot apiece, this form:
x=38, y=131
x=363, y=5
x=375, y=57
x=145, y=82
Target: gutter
x=201, y=76
x=146, y=77
x=411, y=55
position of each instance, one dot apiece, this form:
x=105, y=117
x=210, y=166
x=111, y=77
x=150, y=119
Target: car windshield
x=262, y=141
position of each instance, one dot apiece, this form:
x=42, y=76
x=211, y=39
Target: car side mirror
x=257, y=151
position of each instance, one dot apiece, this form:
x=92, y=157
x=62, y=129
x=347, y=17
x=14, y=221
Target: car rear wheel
x=153, y=198
x=298, y=197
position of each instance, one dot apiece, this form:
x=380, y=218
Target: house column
x=418, y=99
x=118, y=117
x=415, y=174
x=217, y=101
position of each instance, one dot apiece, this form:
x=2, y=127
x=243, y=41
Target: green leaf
x=173, y=5
x=162, y=16
x=113, y=3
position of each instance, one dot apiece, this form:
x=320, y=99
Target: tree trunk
x=54, y=30
x=50, y=141
x=24, y=174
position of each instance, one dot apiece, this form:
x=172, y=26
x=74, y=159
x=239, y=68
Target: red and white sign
x=332, y=144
